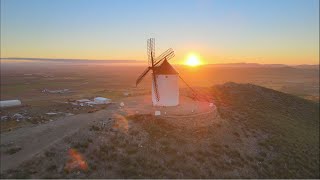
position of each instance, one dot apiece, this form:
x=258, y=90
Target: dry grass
x=13, y=150
x=290, y=122
x=271, y=135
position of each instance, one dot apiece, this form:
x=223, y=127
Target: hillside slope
x=257, y=133
x=291, y=123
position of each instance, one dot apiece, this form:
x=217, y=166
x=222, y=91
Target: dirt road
x=35, y=139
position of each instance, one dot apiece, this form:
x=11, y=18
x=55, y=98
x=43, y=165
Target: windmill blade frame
x=197, y=95
x=164, y=54
x=155, y=86
x=194, y=92
x=151, y=51
x=167, y=57
x=145, y=72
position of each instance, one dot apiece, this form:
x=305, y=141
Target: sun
x=193, y=60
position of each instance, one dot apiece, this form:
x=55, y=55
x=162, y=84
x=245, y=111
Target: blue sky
x=218, y=31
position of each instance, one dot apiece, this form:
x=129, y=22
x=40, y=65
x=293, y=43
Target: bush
x=94, y=128
x=13, y=150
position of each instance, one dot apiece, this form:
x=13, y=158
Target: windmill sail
x=151, y=51
x=145, y=72
x=155, y=86
x=164, y=56
x=197, y=95
x=168, y=51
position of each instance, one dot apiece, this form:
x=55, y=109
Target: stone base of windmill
x=188, y=114
x=186, y=108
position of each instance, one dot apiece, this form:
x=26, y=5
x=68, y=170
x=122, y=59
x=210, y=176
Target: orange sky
x=256, y=31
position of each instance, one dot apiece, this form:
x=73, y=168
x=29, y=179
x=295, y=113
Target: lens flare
x=76, y=161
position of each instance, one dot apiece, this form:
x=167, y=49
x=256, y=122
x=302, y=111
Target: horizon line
x=134, y=61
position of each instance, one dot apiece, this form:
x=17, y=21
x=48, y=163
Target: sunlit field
x=87, y=78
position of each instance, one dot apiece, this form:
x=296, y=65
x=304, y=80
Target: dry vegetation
x=258, y=133
x=25, y=81
x=291, y=123
x=271, y=135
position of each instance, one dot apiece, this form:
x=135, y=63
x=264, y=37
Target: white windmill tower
x=165, y=79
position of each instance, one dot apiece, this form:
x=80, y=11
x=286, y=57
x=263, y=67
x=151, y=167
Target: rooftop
x=165, y=68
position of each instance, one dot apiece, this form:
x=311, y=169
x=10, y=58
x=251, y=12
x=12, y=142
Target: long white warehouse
x=10, y=103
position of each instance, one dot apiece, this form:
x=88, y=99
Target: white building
x=10, y=103
x=168, y=85
x=101, y=100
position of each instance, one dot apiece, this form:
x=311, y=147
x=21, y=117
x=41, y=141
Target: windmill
x=165, y=89
x=165, y=79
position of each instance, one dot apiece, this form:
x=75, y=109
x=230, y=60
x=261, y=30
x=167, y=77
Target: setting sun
x=193, y=60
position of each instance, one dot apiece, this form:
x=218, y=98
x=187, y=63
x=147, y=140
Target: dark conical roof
x=165, y=68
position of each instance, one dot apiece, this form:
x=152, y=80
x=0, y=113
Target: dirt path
x=33, y=140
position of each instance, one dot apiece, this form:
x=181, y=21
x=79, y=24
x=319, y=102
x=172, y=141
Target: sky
x=216, y=31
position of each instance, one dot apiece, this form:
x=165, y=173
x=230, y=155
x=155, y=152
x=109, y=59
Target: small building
x=102, y=100
x=168, y=85
x=83, y=100
x=10, y=103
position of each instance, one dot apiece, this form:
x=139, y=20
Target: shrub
x=13, y=150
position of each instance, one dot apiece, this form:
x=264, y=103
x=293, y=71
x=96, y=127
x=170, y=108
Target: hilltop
x=290, y=123
x=256, y=133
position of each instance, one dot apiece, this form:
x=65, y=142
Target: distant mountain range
x=246, y=65
x=238, y=65
x=71, y=60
